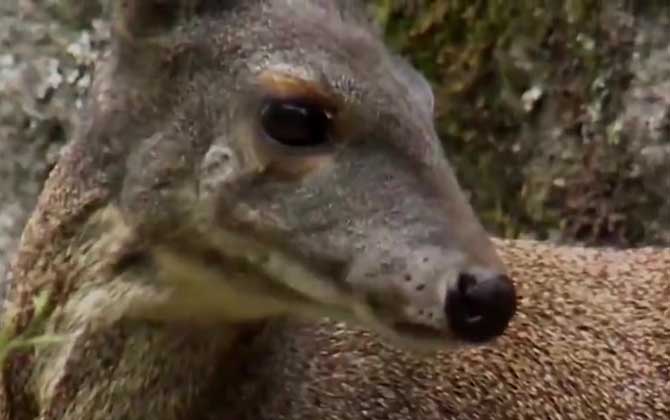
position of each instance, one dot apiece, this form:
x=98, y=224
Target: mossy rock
x=531, y=98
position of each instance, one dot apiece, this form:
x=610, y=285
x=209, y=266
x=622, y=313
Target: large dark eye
x=295, y=123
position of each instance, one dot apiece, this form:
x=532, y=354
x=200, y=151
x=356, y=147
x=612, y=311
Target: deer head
x=276, y=158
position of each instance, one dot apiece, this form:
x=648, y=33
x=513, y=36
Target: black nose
x=480, y=308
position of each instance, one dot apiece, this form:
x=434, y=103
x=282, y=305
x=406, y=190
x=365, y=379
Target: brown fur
x=591, y=341
x=172, y=250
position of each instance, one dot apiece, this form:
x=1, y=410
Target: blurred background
x=555, y=114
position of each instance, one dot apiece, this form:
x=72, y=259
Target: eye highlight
x=295, y=122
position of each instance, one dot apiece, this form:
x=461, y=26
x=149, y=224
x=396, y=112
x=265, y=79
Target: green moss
x=33, y=335
x=482, y=56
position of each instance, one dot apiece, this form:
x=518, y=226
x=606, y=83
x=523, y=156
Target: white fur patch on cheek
x=219, y=167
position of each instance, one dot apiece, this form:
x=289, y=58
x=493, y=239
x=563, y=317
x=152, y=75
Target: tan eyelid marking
x=280, y=84
x=284, y=85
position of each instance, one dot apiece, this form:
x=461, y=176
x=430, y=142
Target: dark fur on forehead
x=136, y=20
x=354, y=12
x=338, y=26
x=348, y=10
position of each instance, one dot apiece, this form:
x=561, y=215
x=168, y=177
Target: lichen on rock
x=554, y=114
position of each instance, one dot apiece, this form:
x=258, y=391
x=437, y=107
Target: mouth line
x=313, y=287
x=313, y=276
x=413, y=335
x=267, y=250
x=419, y=331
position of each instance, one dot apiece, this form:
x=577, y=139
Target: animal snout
x=480, y=306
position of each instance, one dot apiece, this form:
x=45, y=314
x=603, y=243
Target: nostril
x=480, y=308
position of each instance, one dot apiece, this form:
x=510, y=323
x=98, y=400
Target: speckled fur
x=591, y=341
x=591, y=338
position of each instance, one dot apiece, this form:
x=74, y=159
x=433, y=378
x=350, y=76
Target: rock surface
x=44, y=73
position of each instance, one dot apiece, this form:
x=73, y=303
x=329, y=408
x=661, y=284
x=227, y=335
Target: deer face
x=301, y=155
